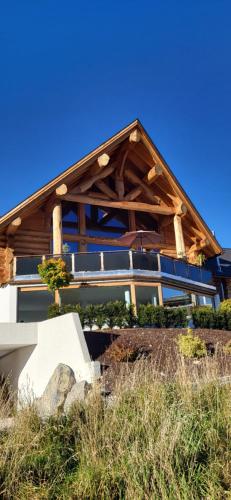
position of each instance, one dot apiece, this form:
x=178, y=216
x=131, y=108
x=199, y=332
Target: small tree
x=54, y=274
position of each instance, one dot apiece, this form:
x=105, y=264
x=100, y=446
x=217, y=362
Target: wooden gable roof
x=149, y=181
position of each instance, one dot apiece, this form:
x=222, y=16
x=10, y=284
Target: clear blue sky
x=74, y=73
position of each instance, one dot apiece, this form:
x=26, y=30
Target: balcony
x=123, y=264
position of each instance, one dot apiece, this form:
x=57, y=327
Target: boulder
x=53, y=399
x=78, y=392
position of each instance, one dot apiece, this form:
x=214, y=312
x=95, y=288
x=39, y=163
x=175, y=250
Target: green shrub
x=116, y=314
x=121, y=315
x=225, y=306
x=56, y=310
x=100, y=315
x=191, y=346
x=204, y=317
x=161, y=317
x=176, y=317
x=90, y=315
x=53, y=272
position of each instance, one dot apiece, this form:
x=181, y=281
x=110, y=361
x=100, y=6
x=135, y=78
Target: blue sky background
x=74, y=73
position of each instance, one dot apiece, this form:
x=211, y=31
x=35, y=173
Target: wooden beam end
x=61, y=190
x=135, y=136
x=103, y=160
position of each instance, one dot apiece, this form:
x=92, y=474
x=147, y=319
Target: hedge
x=118, y=314
x=206, y=317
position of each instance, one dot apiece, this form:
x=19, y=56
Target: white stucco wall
x=8, y=304
x=44, y=346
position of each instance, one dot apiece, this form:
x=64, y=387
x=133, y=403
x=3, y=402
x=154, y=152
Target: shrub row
x=206, y=317
x=118, y=314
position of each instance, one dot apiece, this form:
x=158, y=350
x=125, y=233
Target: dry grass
x=155, y=440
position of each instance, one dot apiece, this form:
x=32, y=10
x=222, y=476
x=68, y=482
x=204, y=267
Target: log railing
x=113, y=261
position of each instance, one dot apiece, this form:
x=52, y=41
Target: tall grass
x=154, y=439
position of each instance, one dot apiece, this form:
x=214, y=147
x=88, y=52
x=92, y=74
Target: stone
x=53, y=399
x=78, y=392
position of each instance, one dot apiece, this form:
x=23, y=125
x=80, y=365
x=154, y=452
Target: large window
x=147, y=295
x=173, y=297
x=95, y=295
x=33, y=306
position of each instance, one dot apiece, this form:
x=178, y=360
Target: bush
x=56, y=310
x=121, y=315
x=206, y=317
x=161, y=317
x=225, y=306
x=100, y=315
x=191, y=346
x=116, y=314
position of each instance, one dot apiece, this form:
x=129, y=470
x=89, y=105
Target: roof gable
x=148, y=180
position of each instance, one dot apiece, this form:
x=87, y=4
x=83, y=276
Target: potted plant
x=201, y=259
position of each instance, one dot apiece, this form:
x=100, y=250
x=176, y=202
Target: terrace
x=116, y=265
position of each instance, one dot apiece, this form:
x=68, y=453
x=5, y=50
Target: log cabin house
x=123, y=185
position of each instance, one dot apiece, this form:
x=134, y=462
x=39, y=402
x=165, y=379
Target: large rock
x=53, y=399
x=78, y=392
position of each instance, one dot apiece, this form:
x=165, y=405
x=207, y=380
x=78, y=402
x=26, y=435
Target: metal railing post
x=73, y=263
x=101, y=261
x=130, y=259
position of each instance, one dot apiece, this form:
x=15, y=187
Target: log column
x=82, y=226
x=179, y=237
x=57, y=229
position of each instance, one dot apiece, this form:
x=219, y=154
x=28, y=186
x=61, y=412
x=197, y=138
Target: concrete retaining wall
x=43, y=346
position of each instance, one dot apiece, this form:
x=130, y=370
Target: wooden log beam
x=61, y=190
x=119, y=185
x=179, y=237
x=132, y=220
x=123, y=205
x=103, y=186
x=101, y=196
x=181, y=208
x=133, y=194
x=13, y=226
x=92, y=239
x=199, y=245
x=153, y=174
x=57, y=229
x=131, y=176
x=90, y=180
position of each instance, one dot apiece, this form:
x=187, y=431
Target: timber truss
x=124, y=179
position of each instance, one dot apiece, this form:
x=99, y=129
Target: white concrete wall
x=48, y=343
x=8, y=304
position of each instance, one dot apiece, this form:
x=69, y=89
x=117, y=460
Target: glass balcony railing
x=116, y=261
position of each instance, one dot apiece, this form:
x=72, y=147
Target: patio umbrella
x=140, y=238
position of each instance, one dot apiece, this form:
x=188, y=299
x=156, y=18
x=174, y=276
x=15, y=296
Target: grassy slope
x=158, y=440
